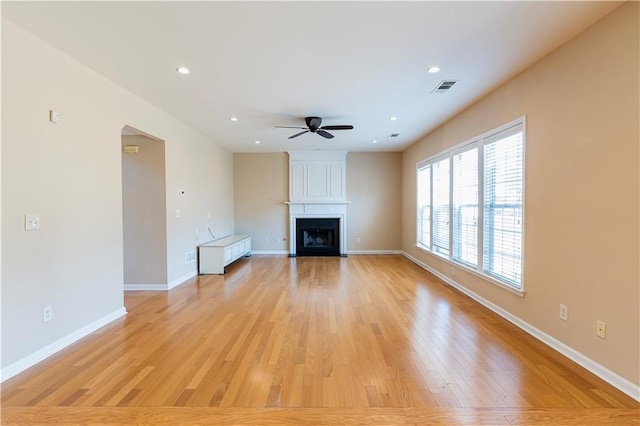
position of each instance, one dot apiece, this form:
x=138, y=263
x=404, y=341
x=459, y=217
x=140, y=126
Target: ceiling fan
x=314, y=126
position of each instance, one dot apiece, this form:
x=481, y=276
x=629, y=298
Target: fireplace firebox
x=318, y=237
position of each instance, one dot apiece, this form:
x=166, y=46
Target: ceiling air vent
x=444, y=86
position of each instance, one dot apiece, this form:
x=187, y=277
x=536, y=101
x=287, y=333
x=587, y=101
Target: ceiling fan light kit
x=314, y=125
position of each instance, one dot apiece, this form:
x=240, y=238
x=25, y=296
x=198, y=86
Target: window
x=465, y=207
x=470, y=204
x=424, y=206
x=503, y=178
x=441, y=211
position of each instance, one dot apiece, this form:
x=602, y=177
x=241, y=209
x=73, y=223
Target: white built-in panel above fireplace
x=317, y=190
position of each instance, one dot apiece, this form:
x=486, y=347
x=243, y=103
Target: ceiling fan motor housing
x=313, y=123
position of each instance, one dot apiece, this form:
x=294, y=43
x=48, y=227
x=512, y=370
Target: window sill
x=463, y=267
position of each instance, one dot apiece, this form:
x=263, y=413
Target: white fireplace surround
x=317, y=189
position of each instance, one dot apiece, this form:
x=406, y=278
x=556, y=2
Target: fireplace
x=317, y=237
x=317, y=203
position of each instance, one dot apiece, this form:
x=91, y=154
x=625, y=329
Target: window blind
x=441, y=206
x=503, y=198
x=465, y=207
x=424, y=206
x=470, y=204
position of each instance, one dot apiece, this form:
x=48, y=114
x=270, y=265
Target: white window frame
x=434, y=160
x=419, y=242
x=478, y=142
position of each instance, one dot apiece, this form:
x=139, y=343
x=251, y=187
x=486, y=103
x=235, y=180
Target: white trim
x=41, y=354
x=317, y=155
x=614, y=379
x=300, y=211
x=182, y=279
x=317, y=202
x=270, y=252
x=145, y=287
x=161, y=287
x=374, y=252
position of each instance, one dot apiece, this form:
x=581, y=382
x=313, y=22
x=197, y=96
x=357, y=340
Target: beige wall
x=70, y=174
x=375, y=211
x=262, y=185
x=144, y=213
x=582, y=185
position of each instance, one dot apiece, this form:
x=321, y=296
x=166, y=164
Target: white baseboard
x=160, y=287
x=31, y=360
x=269, y=252
x=348, y=252
x=614, y=379
x=374, y=251
x=145, y=287
x=182, y=279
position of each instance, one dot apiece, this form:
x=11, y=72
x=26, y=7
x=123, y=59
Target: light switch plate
x=31, y=222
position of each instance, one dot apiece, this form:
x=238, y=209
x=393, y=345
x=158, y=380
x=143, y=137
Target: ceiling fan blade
x=338, y=127
x=313, y=122
x=324, y=134
x=290, y=127
x=298, y=134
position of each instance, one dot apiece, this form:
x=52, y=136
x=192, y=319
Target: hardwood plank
x=358, y=340
x=90, y=416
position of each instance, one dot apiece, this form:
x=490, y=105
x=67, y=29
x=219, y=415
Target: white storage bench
x=215, y=255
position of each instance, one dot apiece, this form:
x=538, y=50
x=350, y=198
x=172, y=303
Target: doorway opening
x=144, y=218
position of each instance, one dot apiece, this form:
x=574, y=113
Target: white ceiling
x=273, y=63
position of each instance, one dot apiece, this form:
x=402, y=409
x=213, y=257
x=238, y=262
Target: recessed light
x=234, y=119
x=183, y=70
x=257, y=142
x=434, y=69
x=393, y=118
x=374, y=141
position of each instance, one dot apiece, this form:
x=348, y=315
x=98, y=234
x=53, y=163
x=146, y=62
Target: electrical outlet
x=564, y=312
x=277, y=240
x=601, y=329
x=266, y=240
x=453, y=270
x=47, y=313
x=189, y=257
x=357, y=239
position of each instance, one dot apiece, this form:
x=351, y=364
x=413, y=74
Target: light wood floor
x=357, y=340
